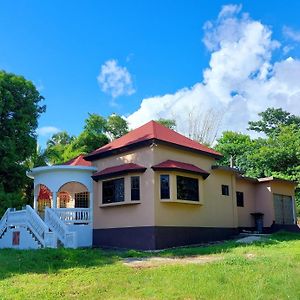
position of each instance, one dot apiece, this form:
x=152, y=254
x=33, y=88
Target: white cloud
x=241, y=79
x=47, y=130
x=291, y=33
x=115, y=80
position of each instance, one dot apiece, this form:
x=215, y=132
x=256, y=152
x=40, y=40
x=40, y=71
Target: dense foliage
x=19, y=111
x=97, y=132
x=276, y=155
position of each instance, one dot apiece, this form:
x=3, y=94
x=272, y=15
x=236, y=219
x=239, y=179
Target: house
x=153, y=188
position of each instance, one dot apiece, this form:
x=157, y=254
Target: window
x=164, y=187
x=240, y=199
x=82, y=200
x=187, y=188
x=113, y=191
x=135, y=188
x=225, y=190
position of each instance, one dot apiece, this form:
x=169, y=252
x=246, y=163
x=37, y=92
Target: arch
x=73, y=187
x=44, y=197
x=73, y=194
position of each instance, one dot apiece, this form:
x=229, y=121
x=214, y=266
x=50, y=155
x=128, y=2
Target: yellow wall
x=127, y=214
x=264, y=197
x=213, y=209
x=244, y=213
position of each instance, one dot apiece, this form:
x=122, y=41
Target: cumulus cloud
x=241, y=79
x=47, y=130
x=115, y=80
x=291, y=33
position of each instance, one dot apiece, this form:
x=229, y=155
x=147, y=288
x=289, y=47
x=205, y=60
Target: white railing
x=30, y=219
x=40, y=229
x=69, y=239
x=3, y=222
x=74, y=215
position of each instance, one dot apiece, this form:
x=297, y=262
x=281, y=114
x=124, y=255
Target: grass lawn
x=269, y=270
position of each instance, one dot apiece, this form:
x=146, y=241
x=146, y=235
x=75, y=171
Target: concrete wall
x=128, y=213
x=26, y=239
x=244, y=213
x=213, y=209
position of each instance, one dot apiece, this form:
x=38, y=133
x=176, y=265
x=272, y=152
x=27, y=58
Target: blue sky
x=62, y=45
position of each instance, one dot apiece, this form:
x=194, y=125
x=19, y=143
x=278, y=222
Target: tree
x=19, y=112
x=276, y=155
x=272, y=119
x=204, y=126
x=37, y=159
x=234, y=146
x=170, y=123
x=116, y=126
x=94, y=134
x=62, y=147
x=59, y=148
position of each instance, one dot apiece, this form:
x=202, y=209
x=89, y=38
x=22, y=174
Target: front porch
x=62, y=204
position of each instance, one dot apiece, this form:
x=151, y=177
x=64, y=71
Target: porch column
x=35, y=201
x=54, y=199
x=91, y=206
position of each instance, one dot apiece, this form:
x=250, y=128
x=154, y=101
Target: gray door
x=288, y=213
x=283, y=208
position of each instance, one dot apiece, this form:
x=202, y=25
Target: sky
x=154, y=59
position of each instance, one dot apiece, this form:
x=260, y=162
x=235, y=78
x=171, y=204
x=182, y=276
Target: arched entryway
x=44, y=198
x=73, y=195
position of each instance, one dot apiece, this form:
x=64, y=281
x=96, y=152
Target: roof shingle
x=180, y=166
x=152, y=131
x=118, y=170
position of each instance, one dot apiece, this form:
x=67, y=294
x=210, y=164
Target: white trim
x=38, y=170
x=181, y=201
x=120, y=203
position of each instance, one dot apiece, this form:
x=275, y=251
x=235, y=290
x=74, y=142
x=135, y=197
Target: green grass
x=273, y=272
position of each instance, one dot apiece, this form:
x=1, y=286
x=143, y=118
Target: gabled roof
x=77, y=161
x=147, y=134
x=118, y=170
x=172, y=165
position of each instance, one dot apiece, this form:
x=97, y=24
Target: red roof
x=180, y=166
x=118, y=170
x=77, y=161
x=149, y=131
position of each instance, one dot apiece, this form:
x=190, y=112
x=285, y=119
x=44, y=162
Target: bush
x=10, y=200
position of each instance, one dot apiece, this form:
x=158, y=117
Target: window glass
x=187, y=188
x=135, y=188
x=113, y=191
x=225, y=190
x=240, y=199
x=164, y=187
x=82, y=200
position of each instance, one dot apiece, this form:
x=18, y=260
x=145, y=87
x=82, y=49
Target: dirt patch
x=251, y=239
x=152, y=262
x=250, y=255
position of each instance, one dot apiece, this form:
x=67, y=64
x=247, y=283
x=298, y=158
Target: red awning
x=118, y=170
x=173, y=165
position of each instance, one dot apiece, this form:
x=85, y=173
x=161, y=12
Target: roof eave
x=118, y=173
x=91, y=157
x=203, y=174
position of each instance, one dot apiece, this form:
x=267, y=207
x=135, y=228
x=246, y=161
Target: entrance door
x=283, y=208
